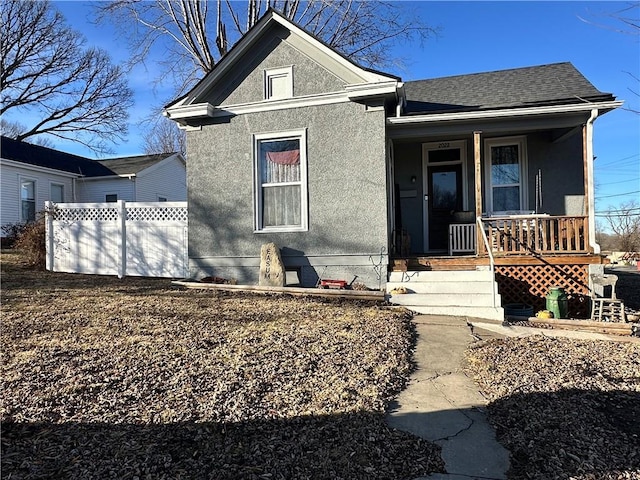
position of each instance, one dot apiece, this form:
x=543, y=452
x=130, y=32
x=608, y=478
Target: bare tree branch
x=361, y=30
x=49, y=77
x=165, y=137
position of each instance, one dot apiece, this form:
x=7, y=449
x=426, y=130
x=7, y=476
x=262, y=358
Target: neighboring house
x=32, y=174
x=353, y=172
x=143, y=178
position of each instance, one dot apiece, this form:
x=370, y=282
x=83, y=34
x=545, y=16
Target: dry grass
x=565, y=409
x=109, y=378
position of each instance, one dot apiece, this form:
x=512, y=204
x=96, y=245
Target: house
x=473, y=192
x=142, y=178
x=32, y=174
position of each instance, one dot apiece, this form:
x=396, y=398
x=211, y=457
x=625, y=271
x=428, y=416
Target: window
x=28, y=200
x=505, y=161
x=278, y=83
x=162, y=199
x=57, y=193
x=111, y=197
x=281, y=188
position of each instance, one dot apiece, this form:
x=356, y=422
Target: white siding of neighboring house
x=90, y=191
x=167, y=179
x=10, y=178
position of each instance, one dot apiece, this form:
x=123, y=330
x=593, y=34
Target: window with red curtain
x=280, y=202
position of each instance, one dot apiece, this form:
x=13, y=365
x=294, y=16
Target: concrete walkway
x=441, y=404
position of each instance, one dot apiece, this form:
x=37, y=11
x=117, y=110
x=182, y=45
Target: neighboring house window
x=505, y=159
x=57, y=193
x=28, y=200
x=111, y=197
x=162, y=199
x=281, y=181
x=278, y=83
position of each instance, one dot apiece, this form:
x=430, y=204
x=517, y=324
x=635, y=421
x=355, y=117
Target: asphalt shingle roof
x=557, y=83
x=25, y=152
x=132, y=165
x=47, y=157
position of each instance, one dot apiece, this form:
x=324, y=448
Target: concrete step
x=441, y=276
x=446, y=299
x=489, y=313
x=459, y=288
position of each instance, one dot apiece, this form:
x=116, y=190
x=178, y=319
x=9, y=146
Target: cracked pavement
x=443, y=405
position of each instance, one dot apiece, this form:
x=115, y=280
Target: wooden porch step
x=423, y=263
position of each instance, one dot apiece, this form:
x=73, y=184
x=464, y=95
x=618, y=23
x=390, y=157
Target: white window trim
x=257, y=184
x=35, y=195
x=278, y=72
x=521, y=141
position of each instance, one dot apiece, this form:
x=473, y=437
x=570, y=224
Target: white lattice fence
x=137, y=239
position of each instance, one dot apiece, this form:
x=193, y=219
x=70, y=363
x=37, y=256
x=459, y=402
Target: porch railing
x=536, y=234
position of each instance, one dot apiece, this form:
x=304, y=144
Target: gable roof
x=134, y=164
x=39, y=156
x=553, y=84
x=271, y=18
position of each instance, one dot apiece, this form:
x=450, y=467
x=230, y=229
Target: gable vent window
x=278, y=83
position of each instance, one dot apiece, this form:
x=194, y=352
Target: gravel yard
x=565, y=409
x=106, y=378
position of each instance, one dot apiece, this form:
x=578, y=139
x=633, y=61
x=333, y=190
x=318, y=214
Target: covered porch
x=515, y=199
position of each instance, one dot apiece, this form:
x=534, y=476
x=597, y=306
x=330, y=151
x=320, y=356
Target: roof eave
x=505, y=113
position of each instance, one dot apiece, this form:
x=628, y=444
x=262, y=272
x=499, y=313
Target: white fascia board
x=197, y=110
x=366, y=75
x=110, y=177
x=364, y=90
x=503, y=113
x=38, y=168
x=182, y=113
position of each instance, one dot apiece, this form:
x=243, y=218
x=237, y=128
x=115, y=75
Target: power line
x=618, y=195
x=617, y=161
x=622, y=181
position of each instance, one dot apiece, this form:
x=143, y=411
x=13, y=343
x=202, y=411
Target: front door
x=444, y=191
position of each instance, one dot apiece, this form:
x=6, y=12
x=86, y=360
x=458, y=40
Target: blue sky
x=475, y=37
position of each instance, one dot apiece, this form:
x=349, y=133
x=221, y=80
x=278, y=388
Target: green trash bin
x=558, y=302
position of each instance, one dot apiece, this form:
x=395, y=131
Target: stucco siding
x=245, y=82
x=97, y=190
x=562, y=173
x=346, y=193
x=10, y=178
x=167, y=181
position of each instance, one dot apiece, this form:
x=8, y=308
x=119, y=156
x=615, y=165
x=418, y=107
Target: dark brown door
x=444, y=198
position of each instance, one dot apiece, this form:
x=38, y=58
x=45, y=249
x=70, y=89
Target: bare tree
x=165, y=137
x=50, y=78
x=626, y=22
x=199, y=35
x=624, y=222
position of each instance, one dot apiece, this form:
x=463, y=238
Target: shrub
x=31, y=243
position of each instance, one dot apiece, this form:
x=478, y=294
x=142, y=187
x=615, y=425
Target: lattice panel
x=84, y=214
x=530, y=284
x=157, y=214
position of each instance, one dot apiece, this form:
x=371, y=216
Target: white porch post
x=589, y=197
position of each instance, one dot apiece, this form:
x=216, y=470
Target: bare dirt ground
x=107, y=378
